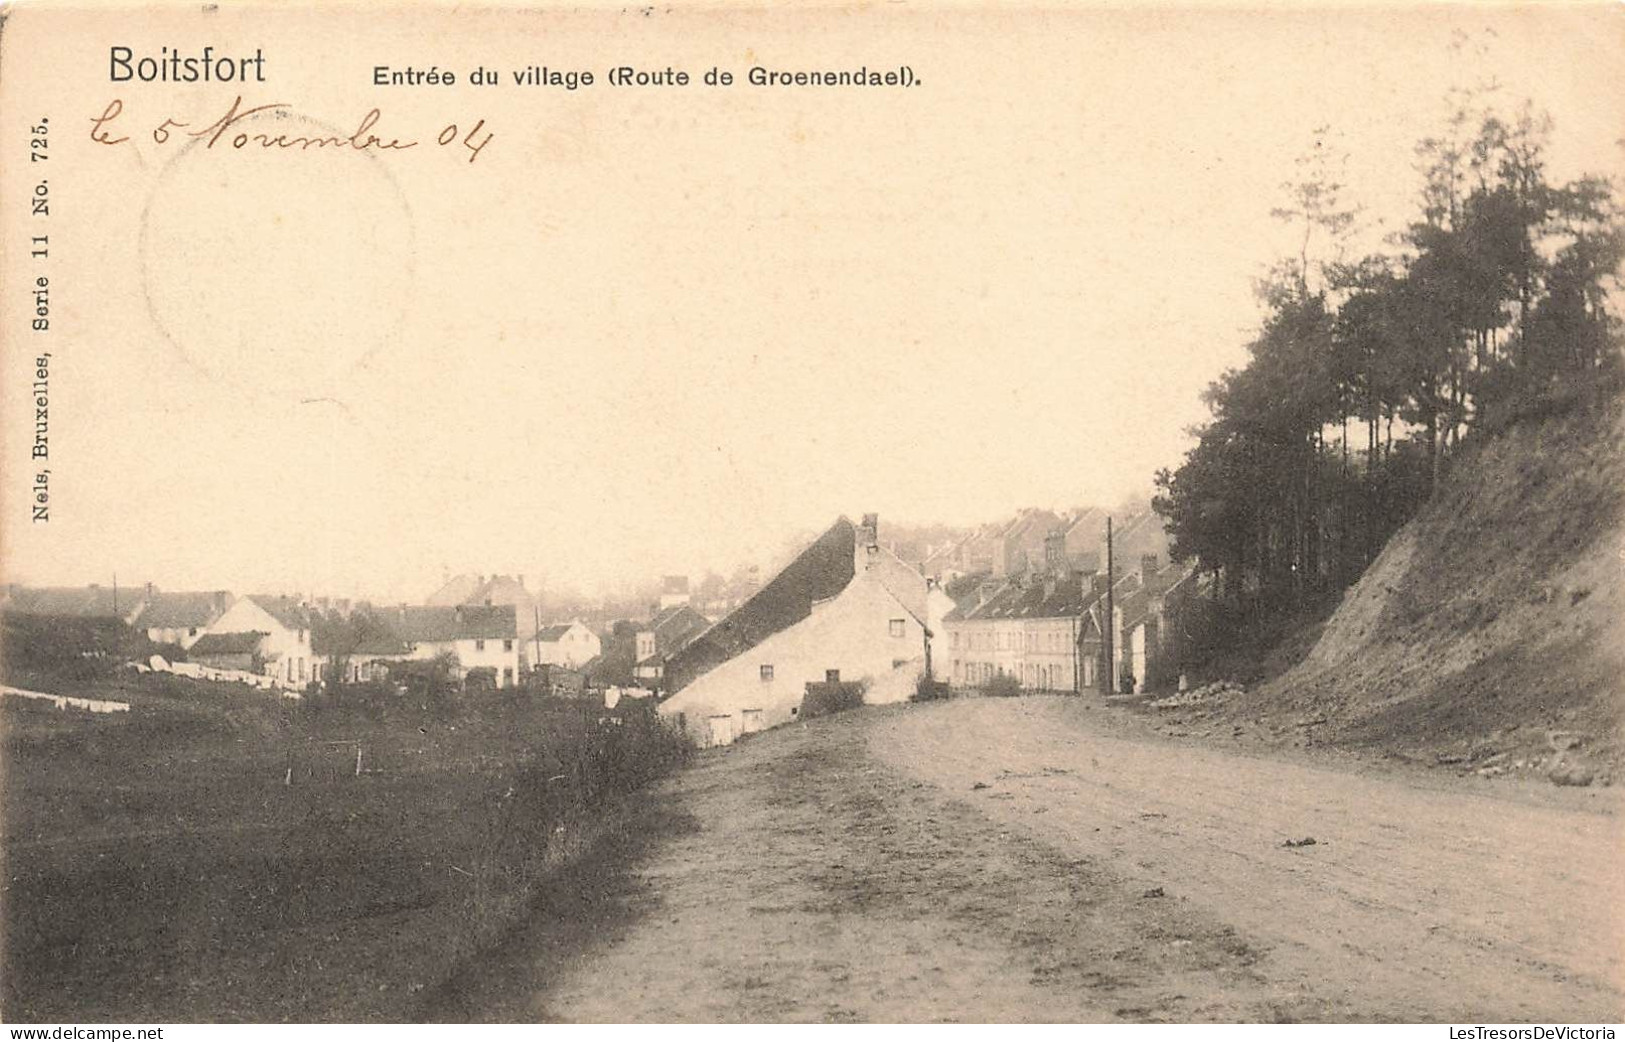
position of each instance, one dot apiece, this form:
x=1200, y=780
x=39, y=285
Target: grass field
x=213, y=855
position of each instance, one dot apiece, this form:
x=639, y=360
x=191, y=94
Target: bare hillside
x=1489, y=632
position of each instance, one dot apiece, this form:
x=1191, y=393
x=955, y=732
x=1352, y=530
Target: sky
x=651, y=332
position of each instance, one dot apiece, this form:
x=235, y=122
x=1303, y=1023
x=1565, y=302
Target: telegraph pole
x=1110, y=622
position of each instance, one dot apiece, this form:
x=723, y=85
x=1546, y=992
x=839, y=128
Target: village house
x=181, y=618
x=494, y=591
x=1019, y=546
x=569, y=644
x=1146, y=609
x=284, y=647
x=1044, y=628
x=845, y=610
x=356, y=649
x=1027, y=627
x=668, y=632
x=482, y=637
x=239, y=651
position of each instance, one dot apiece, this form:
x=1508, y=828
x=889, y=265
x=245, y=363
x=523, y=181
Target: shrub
x=1002, y=686
x=541, y=812
x=823, y=699
x=928, y=690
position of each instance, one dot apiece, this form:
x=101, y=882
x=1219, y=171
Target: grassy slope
x=1494, y=617
x=158, y=868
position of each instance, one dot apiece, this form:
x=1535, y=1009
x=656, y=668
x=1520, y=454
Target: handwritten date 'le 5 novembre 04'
x=231, y=130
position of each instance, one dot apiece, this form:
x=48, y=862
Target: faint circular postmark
x=276, y=271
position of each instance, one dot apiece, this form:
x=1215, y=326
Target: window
x=507, y=645
x=767, y=673
x=507, y=675
x=479, y=645
x=192, y=632
x=896, y=626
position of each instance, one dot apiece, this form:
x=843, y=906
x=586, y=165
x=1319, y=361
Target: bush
x=69, y=648
x=540, y=813
x=823, y=699
x=928, y=690
x=1002, y=686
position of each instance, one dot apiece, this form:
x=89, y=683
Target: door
x=721, y=729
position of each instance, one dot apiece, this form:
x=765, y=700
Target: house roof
x=819, y=572
x=286, y=610
x=457, y=590
x=432, y=624
x=554, y=633
x=1032, y=599
x=81, y=601
x=903, y=581
x=356, y=635
x=675, y=627
x=227, y=644
x=184, y=609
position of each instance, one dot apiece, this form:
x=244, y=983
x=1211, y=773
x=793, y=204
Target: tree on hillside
x=1500, y=294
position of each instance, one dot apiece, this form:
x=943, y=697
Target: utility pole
x=1110, y=626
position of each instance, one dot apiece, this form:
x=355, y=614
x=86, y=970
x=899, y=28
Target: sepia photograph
x=838, y=513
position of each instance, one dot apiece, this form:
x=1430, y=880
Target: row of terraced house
x=1046, y=624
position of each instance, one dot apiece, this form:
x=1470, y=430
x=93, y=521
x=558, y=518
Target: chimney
x=866, y=543
x=149, y=593
x=521, y=580
x=1055, y=561
x=1148, y=570
x=458, y=611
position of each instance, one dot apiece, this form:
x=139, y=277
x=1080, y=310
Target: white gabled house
x=569, y=644
x=482, y=636
x=284, y=647
x=876, y=629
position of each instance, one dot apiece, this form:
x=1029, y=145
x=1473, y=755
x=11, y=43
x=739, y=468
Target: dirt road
x=1031, y=860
